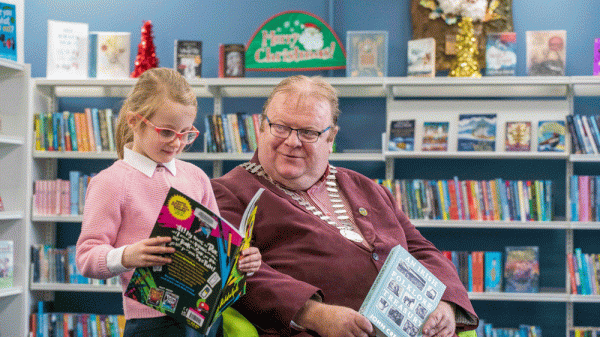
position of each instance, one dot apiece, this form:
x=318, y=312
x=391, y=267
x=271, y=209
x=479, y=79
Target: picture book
x=8, y=27
x=188, y=58
x=500, y=54
x=477, y=132
x=518, y=136
x=596, y=68
x=232, y=58
x=402, y=297
x=521, y=269
x=366, y=53
x=493, y=271
x=551, y=136
x=6, y=264
x=421, y=57
x=67, y=55
x=435, y=136
x=402, y=135
x=109, y=54
x=546, y=52
x=202, y=280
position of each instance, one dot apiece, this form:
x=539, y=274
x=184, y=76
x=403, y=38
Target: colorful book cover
x=477, y=132
x=521, y=269
x=546, y=52
x=596, y=69
x=493, y=271
x=500, y=54
x=518, y=136
x=366, y=53
x=188, y=58
x=109, y=54
x=421, y=58
x=6, y=264
x=403, y=296
x=202, y=280
x=232, y=60
x=8, y=27
x=67, y=55
x=402, y=135
x=551, y=136
x=435, y=136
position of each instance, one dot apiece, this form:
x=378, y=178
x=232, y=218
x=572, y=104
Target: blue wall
x=235, y=21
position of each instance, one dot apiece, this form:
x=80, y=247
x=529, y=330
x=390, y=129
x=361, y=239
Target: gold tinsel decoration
x=465, y=64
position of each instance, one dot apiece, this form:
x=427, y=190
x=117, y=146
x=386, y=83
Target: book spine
x=92, y=52
x=89, y=122
x=575, y=144
x=584, y=137
x=588, y=133
x=96, y=130
x=110, y=126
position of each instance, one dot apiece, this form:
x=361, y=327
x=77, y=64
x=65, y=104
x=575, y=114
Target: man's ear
x=332, y=133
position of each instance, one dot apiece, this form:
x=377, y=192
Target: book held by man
x=402, y=297
x=202, y=280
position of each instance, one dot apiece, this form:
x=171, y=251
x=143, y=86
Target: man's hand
x=333, y=321
x=441, y=322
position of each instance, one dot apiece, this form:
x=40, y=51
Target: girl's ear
x=132, y=120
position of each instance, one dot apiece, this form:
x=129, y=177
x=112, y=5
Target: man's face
x=292, y=163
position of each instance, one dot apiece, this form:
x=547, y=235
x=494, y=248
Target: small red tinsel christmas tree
x=146, y=56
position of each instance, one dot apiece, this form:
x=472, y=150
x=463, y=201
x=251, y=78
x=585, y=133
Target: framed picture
x=366, y=53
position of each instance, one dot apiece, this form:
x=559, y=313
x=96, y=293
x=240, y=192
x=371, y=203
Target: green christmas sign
x=294, y=40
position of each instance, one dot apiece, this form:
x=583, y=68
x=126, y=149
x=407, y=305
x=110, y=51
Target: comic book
x=202, y=280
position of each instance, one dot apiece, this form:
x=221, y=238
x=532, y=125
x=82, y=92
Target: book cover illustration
x=109, y=54
x=477, y=132
x=551, y=136
x=500, y=54
x=366, y=53
x=67, y=55
x=402, y=135
x=435, y=136
x=8, y=31
x=596, y=68
x=518, y=136
x=6, y=264
x=188, y=58
x=546, y=52
x=421, y=57
x=521, y=269
x=493, y=271
x=232, y=60
x=402, y=297
x=202, y=280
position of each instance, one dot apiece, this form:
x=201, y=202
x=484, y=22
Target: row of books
x=6, y=264
x=584, y=197
x=233, y=132
x=60, y=196
x=454, y=199
x=584, y=272
x=62, y=324
x=585, y=133
x=587, y=331
x=57, y=265
x=486, y=329
x=90, y=131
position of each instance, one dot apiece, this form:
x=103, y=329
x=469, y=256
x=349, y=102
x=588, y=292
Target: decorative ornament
x=146, y=56
x=465, y=64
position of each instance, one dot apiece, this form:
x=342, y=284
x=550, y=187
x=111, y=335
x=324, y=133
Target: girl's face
x=171, y=115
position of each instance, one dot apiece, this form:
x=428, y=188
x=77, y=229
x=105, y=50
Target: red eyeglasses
x=168, y=135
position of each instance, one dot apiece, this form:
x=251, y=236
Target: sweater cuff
x=113, y=261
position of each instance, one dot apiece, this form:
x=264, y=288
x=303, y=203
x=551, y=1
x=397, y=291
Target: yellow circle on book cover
x=180, y=207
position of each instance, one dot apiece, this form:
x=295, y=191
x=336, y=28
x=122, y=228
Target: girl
x=122, y=202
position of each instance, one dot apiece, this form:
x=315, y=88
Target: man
x=323, y=232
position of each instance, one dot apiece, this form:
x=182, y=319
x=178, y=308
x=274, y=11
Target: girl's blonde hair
x=151, y=90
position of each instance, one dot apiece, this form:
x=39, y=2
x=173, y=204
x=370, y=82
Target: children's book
x=67, y=55
x=6, y=264
x=202, y=280
x=435, y=136
x=500, y=54
x=232, y=60
x=402, y=135
x=546, y=52
x=596, y=68
x=402, y=297
x=518, y=136
x=521, y=269
x=109, y=54
x=366, y=53
x=8, y=29
x=551, y=136
x=477, y=132
x=188, y=58
x=493, y=271
x=421, y=57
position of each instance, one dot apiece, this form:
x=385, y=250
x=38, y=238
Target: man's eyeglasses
x=305, y=136
x=168, y=135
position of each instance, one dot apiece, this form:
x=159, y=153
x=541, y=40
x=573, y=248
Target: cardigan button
x=375, y=256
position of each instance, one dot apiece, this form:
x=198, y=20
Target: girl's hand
x=249, y=260
x=147, y=253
